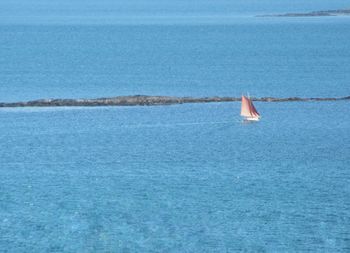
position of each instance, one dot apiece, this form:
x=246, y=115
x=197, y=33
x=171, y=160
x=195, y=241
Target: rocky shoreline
x=143, y=100
x=342, y=12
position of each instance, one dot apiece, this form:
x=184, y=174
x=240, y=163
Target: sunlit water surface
x=184, y=178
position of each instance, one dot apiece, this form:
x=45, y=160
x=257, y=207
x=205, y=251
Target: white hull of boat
x=251, y=119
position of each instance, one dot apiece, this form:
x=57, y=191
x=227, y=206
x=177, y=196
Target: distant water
x=264, y=56
x=184, y=178
x=145, y=11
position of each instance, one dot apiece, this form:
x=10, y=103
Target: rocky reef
x=342, y=12
x=143, y=100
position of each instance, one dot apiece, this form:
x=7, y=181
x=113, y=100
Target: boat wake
x=160, y=125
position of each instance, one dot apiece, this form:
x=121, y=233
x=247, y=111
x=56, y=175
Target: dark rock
x=341, y=12
x=151, y=100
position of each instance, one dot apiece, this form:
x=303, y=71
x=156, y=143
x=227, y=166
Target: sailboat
x=248, y=110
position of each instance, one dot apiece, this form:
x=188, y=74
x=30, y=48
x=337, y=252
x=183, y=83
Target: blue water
x=266, y=57
x=145, y=11
x=180, y=178
x=184, y=178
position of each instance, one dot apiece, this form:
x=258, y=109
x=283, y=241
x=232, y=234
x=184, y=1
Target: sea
x=178, y=178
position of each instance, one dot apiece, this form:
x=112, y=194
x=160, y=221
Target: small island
x=327, y=13
x=143, y=100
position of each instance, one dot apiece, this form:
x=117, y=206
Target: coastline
x=327, y=13
x=143, y=100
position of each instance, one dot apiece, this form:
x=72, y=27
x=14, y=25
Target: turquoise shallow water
x=184, y=178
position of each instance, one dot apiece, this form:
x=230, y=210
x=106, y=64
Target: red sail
x=253, y=111
x=245, y=108
x=248, y=109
